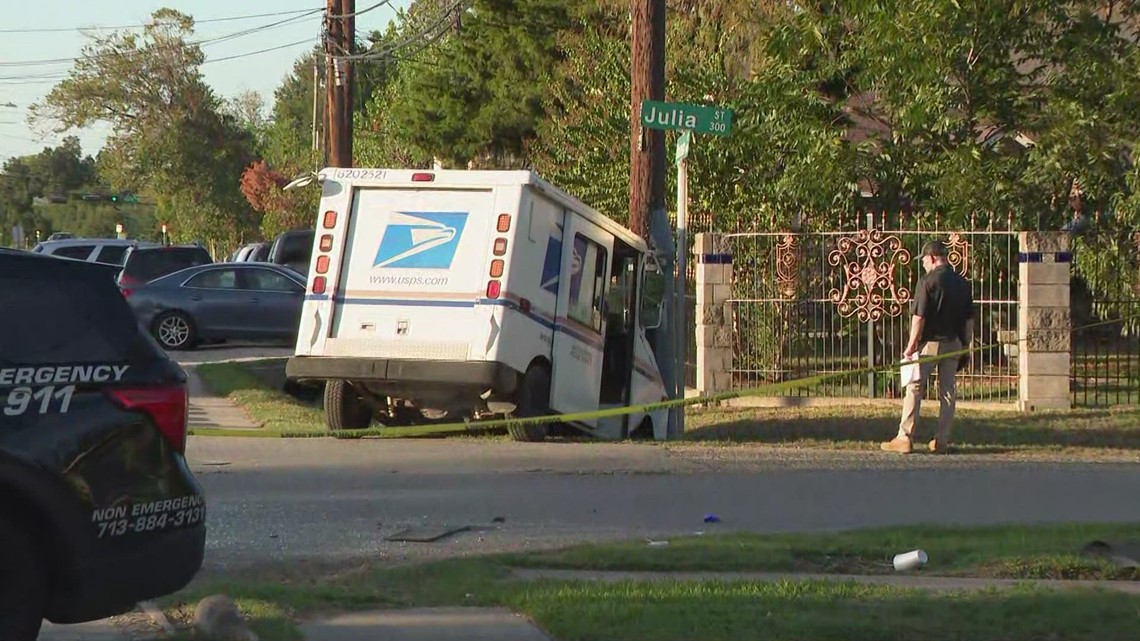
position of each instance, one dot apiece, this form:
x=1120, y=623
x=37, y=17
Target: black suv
x=293, y=249
x=98, y=508
x=144, y=264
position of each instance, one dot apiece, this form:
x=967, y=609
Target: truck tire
x=344, y=409
x=533, y=400
x=23, y=583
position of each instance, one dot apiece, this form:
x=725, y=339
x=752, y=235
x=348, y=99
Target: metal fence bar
x=1105, y=288
x=822, y=301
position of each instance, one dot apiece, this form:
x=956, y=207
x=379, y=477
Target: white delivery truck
x=475, y=294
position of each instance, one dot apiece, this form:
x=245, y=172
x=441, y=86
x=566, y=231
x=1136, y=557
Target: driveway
x=232, y=351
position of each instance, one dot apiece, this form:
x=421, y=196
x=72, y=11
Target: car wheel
x=174, y=331
x=23, y=583
x=344, y=408
x=533, y=400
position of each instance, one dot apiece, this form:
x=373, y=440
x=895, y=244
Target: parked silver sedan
x=220, y=301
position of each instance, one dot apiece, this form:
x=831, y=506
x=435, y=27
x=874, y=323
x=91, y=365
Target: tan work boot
x=898, y=444
x=938, y=446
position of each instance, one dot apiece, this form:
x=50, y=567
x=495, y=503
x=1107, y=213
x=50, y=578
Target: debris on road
x=426, y=533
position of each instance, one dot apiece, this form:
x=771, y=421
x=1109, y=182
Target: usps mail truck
x=456, y=294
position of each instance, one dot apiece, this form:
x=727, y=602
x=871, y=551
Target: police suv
x=98, y=508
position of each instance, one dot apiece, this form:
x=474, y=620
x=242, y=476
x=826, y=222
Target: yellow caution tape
x=483, y=425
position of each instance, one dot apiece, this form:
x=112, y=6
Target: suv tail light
x=168, y=407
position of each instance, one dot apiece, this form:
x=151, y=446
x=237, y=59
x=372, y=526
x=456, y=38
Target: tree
x=169, y=131
x=282, y=210
x=480, y=97
x=249, y=112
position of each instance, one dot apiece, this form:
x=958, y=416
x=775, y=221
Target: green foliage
x=170, y=133
x=480, y=96
x=584, y=146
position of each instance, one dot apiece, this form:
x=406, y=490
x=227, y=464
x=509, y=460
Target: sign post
x=681, y=291
x=688, y=119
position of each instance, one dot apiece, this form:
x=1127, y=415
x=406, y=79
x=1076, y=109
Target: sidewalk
x=426, y=624
x=209, y=411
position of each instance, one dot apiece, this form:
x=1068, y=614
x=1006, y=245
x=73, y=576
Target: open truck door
x=579, y=337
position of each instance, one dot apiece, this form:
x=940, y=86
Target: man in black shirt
x=942, y=321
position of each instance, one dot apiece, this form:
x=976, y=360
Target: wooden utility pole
x=341, y=31
x=647, y=146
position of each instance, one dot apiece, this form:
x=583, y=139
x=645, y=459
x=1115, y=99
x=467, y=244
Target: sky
x=26, y=45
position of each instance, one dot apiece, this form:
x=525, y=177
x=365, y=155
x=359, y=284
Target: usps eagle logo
x=420, y=240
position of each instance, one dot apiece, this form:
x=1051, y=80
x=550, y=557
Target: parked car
x=293, y=249
x=253, y=252
x=98, y=507
x=260, y=253
x=144, y=264
x=108, y=251
x=220, y=301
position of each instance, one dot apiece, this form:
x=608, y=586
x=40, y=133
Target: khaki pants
x=947, y=395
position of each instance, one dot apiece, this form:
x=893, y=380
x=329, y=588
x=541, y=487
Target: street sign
x=683, y=145
x=701, y=119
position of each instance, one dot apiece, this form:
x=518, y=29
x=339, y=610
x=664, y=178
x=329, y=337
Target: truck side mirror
x=652, y=296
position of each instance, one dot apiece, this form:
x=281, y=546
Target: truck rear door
x=411, y=271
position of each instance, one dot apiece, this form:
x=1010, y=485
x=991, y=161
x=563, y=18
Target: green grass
x=1091, y=431
x=280, y=414
x=275, y=411
x=712, y=611
x=864, y=427
x=1013, y=552
x=584, y=610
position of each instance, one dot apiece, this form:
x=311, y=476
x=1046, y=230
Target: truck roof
x=381, y=177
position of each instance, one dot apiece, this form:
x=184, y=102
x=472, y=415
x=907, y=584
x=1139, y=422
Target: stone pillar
x=713, y=314
x=1044, y=322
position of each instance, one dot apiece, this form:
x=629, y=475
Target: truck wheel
x=533, y=400
x=23, y=581
x=344, y=409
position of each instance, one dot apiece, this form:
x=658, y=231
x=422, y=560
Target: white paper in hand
x=909, y=372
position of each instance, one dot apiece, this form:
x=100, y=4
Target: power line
x=357, y=13
x=254, y=53
x=204, y=41
x=140, y=26
x=59, y=77
x=387, y=51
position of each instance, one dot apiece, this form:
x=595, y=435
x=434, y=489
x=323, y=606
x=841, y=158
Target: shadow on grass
x=980, y=432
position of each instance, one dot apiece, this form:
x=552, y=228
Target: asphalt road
x=288, y=502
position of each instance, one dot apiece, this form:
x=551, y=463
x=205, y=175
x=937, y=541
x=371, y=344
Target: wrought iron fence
x=1105, y=293
x=817, y=302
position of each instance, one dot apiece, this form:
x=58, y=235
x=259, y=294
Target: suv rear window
x=78, y=252
x=65, y=320
x=111, y=254
x=293, y=246
x=147, y=264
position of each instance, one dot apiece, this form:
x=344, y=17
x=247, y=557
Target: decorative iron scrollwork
x=787, y=264
x=958, y=253
x=869, y=286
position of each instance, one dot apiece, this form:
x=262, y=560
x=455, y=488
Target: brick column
x=1044, y=322
x=713, y=315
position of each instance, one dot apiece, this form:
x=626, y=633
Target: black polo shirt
x=944, y=299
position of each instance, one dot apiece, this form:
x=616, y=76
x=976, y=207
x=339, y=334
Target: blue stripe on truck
x=585, y=337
